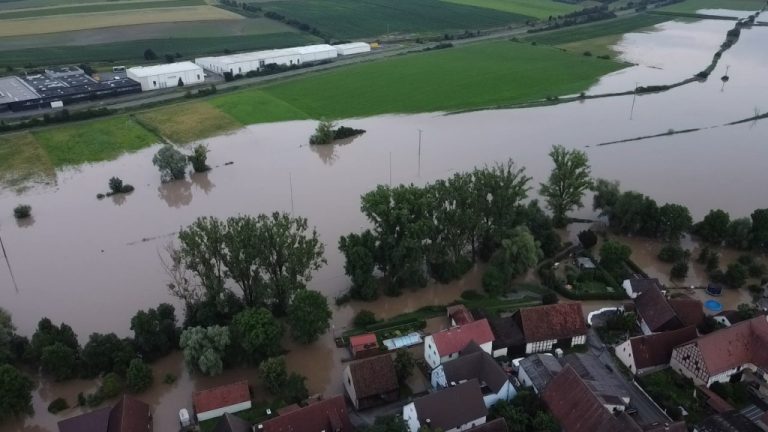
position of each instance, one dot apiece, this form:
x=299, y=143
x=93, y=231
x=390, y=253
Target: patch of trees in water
x=326, y=132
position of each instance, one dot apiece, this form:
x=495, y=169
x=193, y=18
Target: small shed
x=585, y=263
x=363, y=346
x=405, y=341
x=217, y=401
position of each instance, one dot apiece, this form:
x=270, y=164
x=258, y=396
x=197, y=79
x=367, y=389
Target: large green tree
x=273, y=374
x=202, y=251
x=60, y=361
x=740, y=233
x=204, y=348
x=7, y=333
x=106, y=353
x=138, y=377
x=48, y=334
x=309, y=316
x=613, y=255
x=674, y=220
x=714, y=227
x=760, y=228
x=171, y=163
x=517, y=254
x=155, y=332
x=258, y=333
x=569, y=181
x=606, y=196
x=15, y=393
x=360, y=261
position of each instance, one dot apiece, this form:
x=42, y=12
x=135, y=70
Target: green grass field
x=532, y=8
x=591, y=31
x=691, y=6
x=23, y=160
x=93, y=141
x=369, y=18
x=133, y=51
x=481, y=75
x=245, y=106
x=184, y=123
x=25, y=4
x=89, y=8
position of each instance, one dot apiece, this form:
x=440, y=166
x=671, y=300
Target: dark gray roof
x=498, y=425
x=732, y=421
x=605, y=384
x=231, y=423
x=640, y=285
x=96, y=421
x=452, y=407
x=540, y=368
x=479, y=365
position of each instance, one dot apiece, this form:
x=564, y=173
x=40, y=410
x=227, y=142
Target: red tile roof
x=556, y=321
x=220, y=397
x=576, y=408
x=656, y=349
x=455, y=339
x=130, y=415
x=374, y=376
x=460, y=314
x=689, y=311
x=363, y=342
x=734, y=346
x=329, y=415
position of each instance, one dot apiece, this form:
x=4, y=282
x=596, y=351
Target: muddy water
x=94, y=263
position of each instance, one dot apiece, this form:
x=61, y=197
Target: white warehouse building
x=166, y=75
x=352, y=48
x=241, y=64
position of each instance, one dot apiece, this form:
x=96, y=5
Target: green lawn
x=93, y=141
x=533, y=8
x=346, y=19
x=482, y=75
x=692, y=6
x=133, y=51
x=671, y=390
x=80, y=9
x=184, y=123
x=590, y=31
x=255, y=106
x=22, y=160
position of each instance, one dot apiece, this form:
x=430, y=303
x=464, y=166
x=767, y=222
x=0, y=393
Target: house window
x=349, y=380
x=198, y=76
x=154, y=83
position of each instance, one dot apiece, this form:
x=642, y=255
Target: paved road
x=647, y=410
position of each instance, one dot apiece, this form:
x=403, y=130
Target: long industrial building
x=60, y=86
x=241, y=64
x=167, y=75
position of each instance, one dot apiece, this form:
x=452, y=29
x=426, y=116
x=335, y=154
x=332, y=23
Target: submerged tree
x=204, y=348
x=324, y=133
x=15, y=393
x=309, y=316
x=258, y=333
x=171, y=163
x=360, y=261
x=567, y=183
x=199, y=157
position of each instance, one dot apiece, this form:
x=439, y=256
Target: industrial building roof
x=13, y=89
x=352, y=45
x=260, y=55
x=309, y=49
x=145, y=71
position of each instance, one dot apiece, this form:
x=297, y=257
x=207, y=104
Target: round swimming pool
x=713, y=305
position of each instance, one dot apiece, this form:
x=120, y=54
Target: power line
x=8, y=263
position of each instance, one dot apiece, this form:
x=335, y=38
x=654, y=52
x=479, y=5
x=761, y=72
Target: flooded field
x=93, y=263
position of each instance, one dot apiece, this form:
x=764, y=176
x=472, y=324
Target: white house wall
x=627, y=285
x=221, y=411
x=410, y=417
x=624, y=354
x=507, y=392
x=349, y=387
x=438, y=378
x=522, y=375
x=501, y=352
x=644, y=327
x=431, y=355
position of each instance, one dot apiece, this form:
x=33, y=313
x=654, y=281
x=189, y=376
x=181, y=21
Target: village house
x=656, y=313
x=446, y=345
x=459, y=315
x=537, y=370
x=372, y=381
x=474, y=363
x=650, y=353
x=728, y=317
x=326, y=415
x=540, y=329
x=364, y=345
x=215, y=402
x=497, y=425
x=721, y=354
x=577, y=408
x=635, y=287
x=232, y=423
x=732, y=421
x=128, y=415
x=457, y=408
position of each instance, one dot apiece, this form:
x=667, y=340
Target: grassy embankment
x=692, y=6
x=597, y=38
x=474, y=76
x=345, y=19
x=541, y=9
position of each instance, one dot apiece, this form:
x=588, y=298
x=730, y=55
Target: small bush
x=199, y=157
x=22, y=211
x=471, y=294
x=549, y=298
x=100, y=196
x=116, y=185
x=324, y=133
x=81, y=400
x=58, y=405
x=679, y=270
x=672, y=253
x=94, y=399
x=364, y=318
x=587, y=54
x=169, y=378
x=111, y=386
x=127, y=189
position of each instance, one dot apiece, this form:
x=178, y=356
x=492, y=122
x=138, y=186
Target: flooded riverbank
x=93, y=264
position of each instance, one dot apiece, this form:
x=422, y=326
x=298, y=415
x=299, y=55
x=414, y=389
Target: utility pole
x=8, y=263
x=290, y=183
x=634, y=96
x=390, y=169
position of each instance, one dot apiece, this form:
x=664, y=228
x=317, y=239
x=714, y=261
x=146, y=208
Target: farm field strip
x=133, y=51
x=100, y=7
x=62, y=23
x=533, y=8
x=692, y=6
x=38, y=4
x=590, y=31
x=368, y=18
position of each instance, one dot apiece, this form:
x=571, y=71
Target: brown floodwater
x=93, y=263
